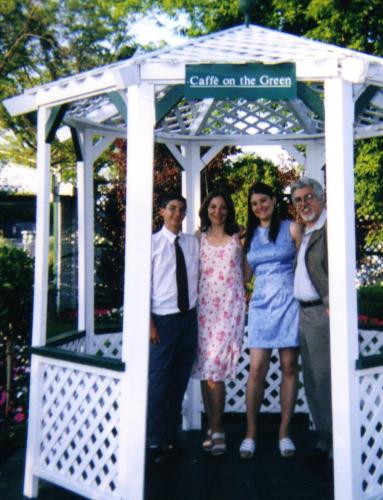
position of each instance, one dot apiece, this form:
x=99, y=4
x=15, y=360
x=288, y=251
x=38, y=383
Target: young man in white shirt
x=173, y=327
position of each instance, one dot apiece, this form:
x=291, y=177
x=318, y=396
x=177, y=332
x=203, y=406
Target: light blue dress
x=273, y=310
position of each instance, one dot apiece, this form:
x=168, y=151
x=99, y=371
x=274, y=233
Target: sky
x=157, y=28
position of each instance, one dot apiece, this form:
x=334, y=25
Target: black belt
x=310, y=303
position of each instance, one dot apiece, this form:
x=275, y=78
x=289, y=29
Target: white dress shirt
x=304, y=290
x=164, y=284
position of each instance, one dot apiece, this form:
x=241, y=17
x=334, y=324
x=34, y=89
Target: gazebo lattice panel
x=109, y=345
x=370, y=342
x=79, y=428
x=78, y=440
x=373, y=113
x=76, y=345
x=236, y=117
x=236, y=390
x=241, y=116
x=371, y=415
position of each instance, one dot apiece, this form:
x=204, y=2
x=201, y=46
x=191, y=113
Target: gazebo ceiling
x=96, y=99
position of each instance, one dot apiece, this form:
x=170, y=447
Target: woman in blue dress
x=270, y=246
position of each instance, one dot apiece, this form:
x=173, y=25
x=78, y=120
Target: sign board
x=232, y=81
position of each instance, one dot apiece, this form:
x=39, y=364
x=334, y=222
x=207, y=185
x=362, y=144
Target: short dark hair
x=231, y=226
x=168, y=197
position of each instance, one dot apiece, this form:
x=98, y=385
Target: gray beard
x=308, y=218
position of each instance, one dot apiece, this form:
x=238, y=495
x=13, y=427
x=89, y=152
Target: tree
x=16, y=278
x=242, y=171
x=355, y=24
x=43, y=40
x=369, y=192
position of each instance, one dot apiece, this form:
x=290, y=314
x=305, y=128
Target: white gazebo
x=87, y=414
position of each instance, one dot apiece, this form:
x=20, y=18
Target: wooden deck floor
x=196, y=475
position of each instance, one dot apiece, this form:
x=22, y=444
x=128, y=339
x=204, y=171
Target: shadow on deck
x=195, y=475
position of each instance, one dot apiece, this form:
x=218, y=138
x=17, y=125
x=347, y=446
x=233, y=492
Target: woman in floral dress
x=221, y=310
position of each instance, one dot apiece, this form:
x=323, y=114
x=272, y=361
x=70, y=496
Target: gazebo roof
x=253, y=44
x=97, y=101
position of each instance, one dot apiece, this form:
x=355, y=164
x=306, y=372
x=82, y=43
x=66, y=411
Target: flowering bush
x=366, y=320
x=370, y=305
x=107, y=317
x=16, y=276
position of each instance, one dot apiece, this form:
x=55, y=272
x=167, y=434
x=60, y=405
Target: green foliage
x=16, y=278
x=241, y=173
x=370, y=301
x=44, y=40
x=237, y=173
x=207, y=16
x=369, y=189
x=356, y=24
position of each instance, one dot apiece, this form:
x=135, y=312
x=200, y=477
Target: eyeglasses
x=307, y=198
x=173, y=209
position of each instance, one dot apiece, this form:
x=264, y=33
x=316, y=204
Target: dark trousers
x=316, y=368
x=170, y=365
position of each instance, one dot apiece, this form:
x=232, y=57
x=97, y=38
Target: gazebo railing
x=76, y=430
x=108, y=345
x=370, y=378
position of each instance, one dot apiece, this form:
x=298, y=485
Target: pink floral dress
x=221, y=310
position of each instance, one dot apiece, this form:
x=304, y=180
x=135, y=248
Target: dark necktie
x=182, y=278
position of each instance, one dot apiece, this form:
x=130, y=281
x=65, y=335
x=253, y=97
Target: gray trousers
x=314, y=330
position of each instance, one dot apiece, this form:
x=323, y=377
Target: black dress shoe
x=172, y=452
x=155, y=457
x=316, y=457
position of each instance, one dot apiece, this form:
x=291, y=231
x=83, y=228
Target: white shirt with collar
x=164, y=284
x=304, y=290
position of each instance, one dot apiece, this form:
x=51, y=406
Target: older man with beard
x=311, y=290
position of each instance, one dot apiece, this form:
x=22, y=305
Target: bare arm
x=247, y=271
x=296, y=233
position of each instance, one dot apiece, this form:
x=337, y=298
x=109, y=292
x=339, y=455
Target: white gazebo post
x=135, y=353
x=85, y=241
x=191, y=185
x=39, y=326
x=191, y=190
x=339, y=118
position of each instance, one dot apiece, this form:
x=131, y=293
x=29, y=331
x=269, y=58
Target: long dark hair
x=230, y=226
x=253, y=222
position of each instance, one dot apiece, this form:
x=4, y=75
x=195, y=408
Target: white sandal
x=247, y=448
x=286, y=448
x=219, y=444
x=207, y=443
